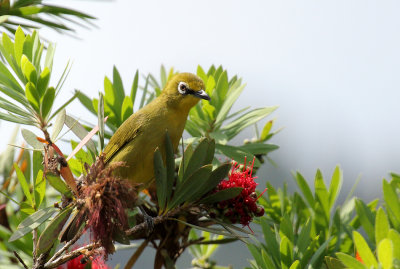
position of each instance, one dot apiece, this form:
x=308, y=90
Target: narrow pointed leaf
x=160, y=174
x=58, y=125
x=24, y=184
x=363, y=249
x=222, y=195
x=47, y=102
x=32, y=222
x=51, y=232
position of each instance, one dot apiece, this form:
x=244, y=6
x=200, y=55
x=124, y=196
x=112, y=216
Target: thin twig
x=67, y=245
x=20, y=260
x=70, y=255
x=136, y=255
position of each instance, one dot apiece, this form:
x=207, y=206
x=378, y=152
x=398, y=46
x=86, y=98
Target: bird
x=135, y=141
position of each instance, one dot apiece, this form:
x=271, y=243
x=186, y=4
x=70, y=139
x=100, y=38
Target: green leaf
x=43, y=81
x=295, y=265
x=163, y=75
x=185, y=160
x=222, y=85
x=200, y=72
x=222, y=195
x=86, y=101
x=32, y=222
x=63, y=106
x=51, y=232
x=381, y=226
x=215, y=178
x=366, y=218
x=335, y=186
x=80, y=132
x=143, y=99
x=249, y=118
x=197, y=159
x=37, y=159
x=321, y=193
x=270, y=240
x=24, y=184
x=333, y=263
x=363, y=249
x=237, y=153
x=112, y=98
x=228, y=103
x=385, y=253
x=49, y=56
x=394, y=236
x=259, y=148
x=31, y=139
x=118, y=86
x=28, y=69
x=40, y=188
x=392, y=202
x=265, y=131
x=100, y=121
x=58, y=125
x=170, y=166
x=303, y=240
x=47, y=101
x=350, y=262
x=185, y=191
x=57, y=183
x=286, y=228
x=127, y=108
x=32, y=96
x=255, y=252
x=286, y=250
x=319, y=252
x=134, y=88
x=267, y=260
x=160, y=174
x=19, y=44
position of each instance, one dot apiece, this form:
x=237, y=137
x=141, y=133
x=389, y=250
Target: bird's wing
x=125, y=134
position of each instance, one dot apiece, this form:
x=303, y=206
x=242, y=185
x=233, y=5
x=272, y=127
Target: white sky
x=332, y=67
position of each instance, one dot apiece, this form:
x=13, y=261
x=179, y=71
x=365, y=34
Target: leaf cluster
x=305, y=230
x=24, y=80
x=34, y=14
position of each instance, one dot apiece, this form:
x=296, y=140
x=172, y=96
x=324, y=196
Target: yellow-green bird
x=136, y=139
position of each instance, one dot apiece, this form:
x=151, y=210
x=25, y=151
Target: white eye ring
x=182, y=87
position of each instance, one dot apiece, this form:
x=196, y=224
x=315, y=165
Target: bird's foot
x=149, y=221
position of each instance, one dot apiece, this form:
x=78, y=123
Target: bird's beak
x=202, y=94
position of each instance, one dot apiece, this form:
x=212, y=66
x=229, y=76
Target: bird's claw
x=149, y=221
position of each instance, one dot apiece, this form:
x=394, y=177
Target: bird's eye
x=182, y=87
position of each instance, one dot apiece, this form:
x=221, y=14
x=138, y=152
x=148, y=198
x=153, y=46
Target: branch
x=71, y=255
x=66, y=246
x=157, y=220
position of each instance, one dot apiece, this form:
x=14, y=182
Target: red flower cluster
x=243, y=207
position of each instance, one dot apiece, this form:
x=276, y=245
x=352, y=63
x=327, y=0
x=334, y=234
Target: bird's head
x=185, y=90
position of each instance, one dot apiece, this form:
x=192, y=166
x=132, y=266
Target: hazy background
x=332, y=67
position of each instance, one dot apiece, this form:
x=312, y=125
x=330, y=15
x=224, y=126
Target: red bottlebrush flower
x=358, y=257
x=243, y=207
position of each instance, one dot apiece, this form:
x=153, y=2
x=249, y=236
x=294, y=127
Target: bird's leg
x=148, y=219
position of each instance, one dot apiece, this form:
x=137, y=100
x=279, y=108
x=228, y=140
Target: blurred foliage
x=34, y=14
x=305, y=230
